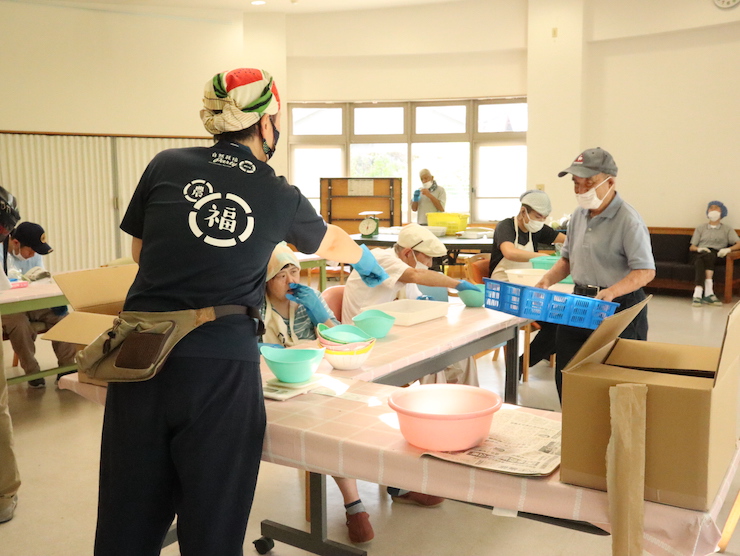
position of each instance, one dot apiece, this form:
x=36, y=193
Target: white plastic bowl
x=445, y=417
x=438, y=231
x=348, y=360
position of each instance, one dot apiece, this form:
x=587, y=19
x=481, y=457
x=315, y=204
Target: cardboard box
x=691, y=410
x=96, y=296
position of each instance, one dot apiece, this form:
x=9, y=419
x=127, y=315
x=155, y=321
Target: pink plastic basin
x=445, y=417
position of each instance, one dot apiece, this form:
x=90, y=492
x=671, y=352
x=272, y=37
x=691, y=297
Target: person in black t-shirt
x=204, y=222
x=515, y=243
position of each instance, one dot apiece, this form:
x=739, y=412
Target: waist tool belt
x=137, y=345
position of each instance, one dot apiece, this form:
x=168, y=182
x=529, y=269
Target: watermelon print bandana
x=236, y=99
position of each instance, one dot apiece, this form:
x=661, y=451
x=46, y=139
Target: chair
x=437, y=293
x=476, y=268
x=38, y=328
x=333, y=295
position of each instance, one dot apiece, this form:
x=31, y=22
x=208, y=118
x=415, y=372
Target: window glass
x=449, y=163
x=378, y=160
x=495, y=210
x=378, y=120
x=440, y=119
x=310, y=164
x=502, y=117
x=502, y=170
x=317, y=121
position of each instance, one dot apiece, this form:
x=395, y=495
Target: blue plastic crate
x=547, y=305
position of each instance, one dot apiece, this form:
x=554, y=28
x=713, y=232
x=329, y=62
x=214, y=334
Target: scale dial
x=369, y=226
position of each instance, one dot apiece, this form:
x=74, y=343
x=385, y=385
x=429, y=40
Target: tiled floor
x=57, y=443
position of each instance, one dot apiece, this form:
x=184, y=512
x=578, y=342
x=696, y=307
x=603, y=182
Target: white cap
x=419, y=238
x=538, y=200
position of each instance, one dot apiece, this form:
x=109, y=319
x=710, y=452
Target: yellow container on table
x=453, y=221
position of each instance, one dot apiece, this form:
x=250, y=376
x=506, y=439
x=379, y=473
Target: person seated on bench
x=710, y=241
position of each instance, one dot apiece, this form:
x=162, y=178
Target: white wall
x=115, y=72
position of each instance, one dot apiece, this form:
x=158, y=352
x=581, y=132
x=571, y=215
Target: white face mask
x=714, y=215
x=533, y=226
x=427, y=184
x=590, y=200
x=419, y=265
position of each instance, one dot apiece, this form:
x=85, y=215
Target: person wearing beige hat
x=204, y=222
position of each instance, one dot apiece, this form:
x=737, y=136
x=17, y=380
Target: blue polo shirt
x=605, y=248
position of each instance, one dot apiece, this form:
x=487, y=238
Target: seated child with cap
x=291, y=312
x=710, y=241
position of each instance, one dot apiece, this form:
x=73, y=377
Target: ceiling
x=275, y=6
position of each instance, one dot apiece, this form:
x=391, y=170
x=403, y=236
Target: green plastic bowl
x=292, y=365
x=374, y=322
x=343, y=333
x=473, y=298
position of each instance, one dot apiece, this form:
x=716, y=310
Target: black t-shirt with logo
x=505, y=231
x=209, y=218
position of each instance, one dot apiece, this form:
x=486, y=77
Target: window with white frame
x=475, y=148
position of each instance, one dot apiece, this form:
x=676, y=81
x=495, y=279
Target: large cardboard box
x=691, y=410
x=96, y=295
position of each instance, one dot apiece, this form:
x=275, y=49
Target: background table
x=42, y=294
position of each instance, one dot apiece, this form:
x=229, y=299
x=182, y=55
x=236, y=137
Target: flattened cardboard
x=96, y=295
x=98, y=290
x=691, y=429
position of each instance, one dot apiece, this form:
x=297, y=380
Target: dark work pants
x=570, y=339
x=187, y=442
x=702, y=263
x=544, y=343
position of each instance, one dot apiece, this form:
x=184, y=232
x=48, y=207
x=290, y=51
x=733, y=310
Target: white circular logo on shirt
x=221, y=220
x=196, y=190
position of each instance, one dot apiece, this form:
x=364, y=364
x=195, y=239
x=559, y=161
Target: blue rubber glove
x=425, y=298
x=369, y=269
x=464, y=285
x=417, y=196
x=307, y=297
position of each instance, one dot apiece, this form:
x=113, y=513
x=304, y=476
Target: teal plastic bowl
x=343, y=333
x=292, y=365
x=473, y=298
x=374, y=322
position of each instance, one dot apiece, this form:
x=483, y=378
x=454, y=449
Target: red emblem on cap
x=578, y=160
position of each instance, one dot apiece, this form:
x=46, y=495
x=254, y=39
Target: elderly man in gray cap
x=515, y=244
x=607, y=251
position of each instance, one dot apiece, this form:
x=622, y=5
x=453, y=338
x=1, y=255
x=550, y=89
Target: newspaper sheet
x=519, y=444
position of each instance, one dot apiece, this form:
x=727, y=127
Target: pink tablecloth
x=357, y=436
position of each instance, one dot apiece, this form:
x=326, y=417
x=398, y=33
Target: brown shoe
x=360, y=530
x=426, y=500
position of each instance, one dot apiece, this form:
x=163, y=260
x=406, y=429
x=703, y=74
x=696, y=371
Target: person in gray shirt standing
x=607, y=251
x=429, y=198
x=710, y=241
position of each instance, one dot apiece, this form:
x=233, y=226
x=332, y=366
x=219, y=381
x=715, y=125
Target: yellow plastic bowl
x=445, y=417
x=348, y=360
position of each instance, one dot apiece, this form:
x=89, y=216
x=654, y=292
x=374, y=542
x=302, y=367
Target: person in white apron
x=515, y=245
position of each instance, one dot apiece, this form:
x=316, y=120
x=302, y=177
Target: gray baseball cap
x=591, y=162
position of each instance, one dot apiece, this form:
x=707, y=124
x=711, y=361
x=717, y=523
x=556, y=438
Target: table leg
x=512, y=369
x=315, y=540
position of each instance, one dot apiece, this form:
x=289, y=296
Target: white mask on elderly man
x=427, y=184
x=590, y=200
x=714, y=215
